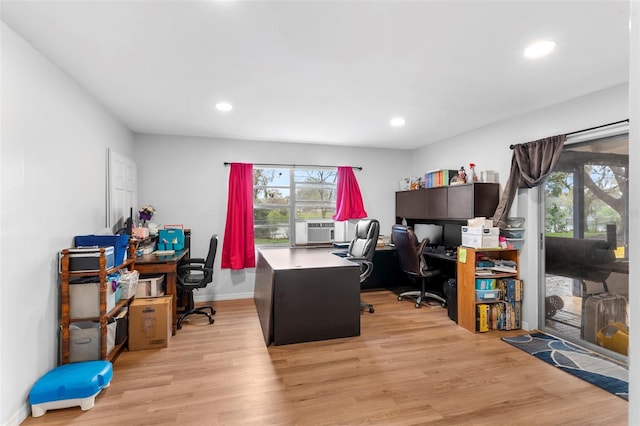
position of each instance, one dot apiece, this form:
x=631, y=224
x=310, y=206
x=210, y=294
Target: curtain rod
x=293, y=166
x=590, y=128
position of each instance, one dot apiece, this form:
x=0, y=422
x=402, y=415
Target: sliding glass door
x=586, y=242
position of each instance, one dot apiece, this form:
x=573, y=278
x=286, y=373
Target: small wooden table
x=303, y=295
x=168, y=265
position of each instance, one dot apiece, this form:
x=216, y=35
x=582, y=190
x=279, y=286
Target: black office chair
x=412, y=262
x=194, y=274
x=362, y=248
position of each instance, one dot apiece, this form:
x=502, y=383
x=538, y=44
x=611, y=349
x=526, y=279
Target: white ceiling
x=329, y=72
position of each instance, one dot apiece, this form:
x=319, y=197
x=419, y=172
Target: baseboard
x=232, y=296
x=19, y=416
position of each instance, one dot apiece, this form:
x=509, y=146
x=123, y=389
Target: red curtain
x=238, y=249
x=349, y=199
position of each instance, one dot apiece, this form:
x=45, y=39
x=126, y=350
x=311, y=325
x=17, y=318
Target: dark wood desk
x=304, y=295
x=152, y=264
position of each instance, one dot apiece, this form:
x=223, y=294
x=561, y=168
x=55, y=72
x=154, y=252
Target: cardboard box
x=480, y=237
x=150, y=322
x=150, y=287
x=480, y=241
x=480, y=222
x=474, y=230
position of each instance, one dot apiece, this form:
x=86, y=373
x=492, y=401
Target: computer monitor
x=430, y=231
x=452, y=234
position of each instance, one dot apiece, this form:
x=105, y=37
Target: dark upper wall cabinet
x=411, y=204
x=457, y=202
x=437, y=202
x=473, y=200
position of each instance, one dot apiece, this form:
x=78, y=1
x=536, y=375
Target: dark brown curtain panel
x=531, y=163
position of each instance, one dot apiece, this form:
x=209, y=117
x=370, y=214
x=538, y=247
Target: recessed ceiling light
x=539, y=49
x=397, y=122
x=224, y=106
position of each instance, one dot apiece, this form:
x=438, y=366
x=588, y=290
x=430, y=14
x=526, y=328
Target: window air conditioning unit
x=314, y=231
x=345, y=231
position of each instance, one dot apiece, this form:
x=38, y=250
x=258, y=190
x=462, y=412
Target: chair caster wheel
x=399, y=298
x=417, y=305
x=370, y=309
x=444, y=305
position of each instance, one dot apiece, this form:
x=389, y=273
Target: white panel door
x=123, y=186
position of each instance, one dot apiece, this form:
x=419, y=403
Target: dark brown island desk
x=306, y=294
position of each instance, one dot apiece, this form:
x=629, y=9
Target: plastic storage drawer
x=487, y=295
x=85, y=340
x=88, y=259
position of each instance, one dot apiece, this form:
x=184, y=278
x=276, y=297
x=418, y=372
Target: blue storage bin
x=119, y=242
x=485, y=283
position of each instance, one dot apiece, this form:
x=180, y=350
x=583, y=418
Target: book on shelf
x=482, y=317
x=436, y=178
x=502, y=268
x=502, y=265
x=513, y=290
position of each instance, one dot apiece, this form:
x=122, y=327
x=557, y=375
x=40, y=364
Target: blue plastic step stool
x=70, y=385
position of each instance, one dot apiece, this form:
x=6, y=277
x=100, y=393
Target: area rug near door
x=585, y=364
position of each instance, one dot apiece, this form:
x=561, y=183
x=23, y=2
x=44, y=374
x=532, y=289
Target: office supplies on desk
x=163, y=252
x=171, y=239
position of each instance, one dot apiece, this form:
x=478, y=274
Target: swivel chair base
x=199, y=311
x=365, y=305
x=421, y=297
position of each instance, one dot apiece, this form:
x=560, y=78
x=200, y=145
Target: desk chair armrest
x=366, y=266
x=187, y=267
x=196, y=260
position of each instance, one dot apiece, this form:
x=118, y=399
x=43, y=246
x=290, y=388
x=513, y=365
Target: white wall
x=53, y=156
x=185, y=179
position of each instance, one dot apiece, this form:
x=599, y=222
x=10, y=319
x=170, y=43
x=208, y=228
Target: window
x=293, y=206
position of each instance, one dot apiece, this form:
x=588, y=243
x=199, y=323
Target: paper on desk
x=462, y=255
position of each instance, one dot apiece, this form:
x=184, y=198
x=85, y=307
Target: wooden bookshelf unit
x=467, y=275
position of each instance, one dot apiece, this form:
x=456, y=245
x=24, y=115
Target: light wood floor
x=409, y=366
